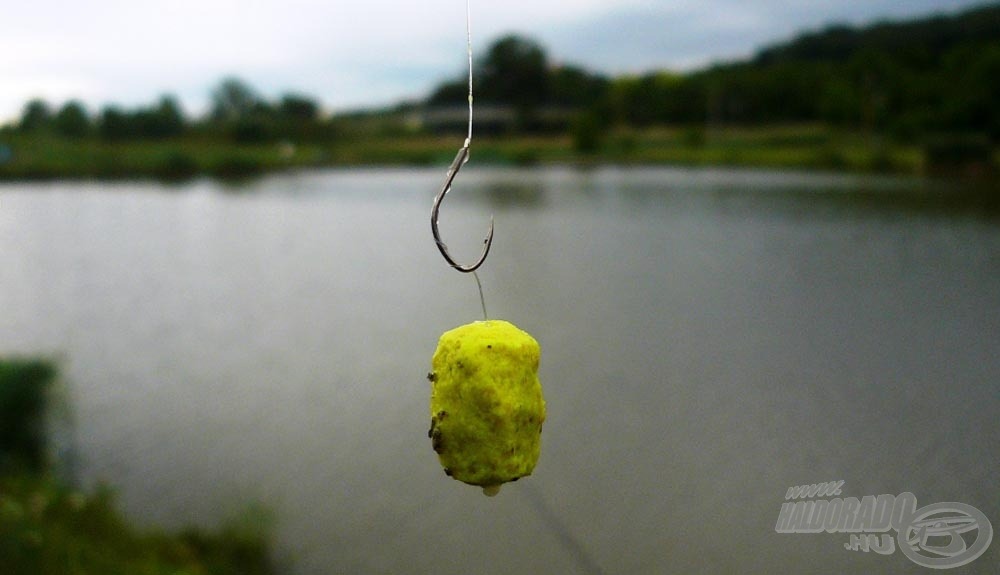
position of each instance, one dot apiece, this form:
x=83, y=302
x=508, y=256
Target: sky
x=371, y=53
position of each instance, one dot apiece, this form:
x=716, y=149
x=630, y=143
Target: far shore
x=809, y=147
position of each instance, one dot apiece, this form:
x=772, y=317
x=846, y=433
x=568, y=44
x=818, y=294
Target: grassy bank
x=49, y=528
x=801, y=146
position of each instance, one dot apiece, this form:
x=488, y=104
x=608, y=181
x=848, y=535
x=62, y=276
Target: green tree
x=297, y=107
x=656, y=98
x=234, y=100
x=36, y=116
x=241, y=113
x=72, y=121
x=574, y=87
x=297, y=117
x=164, y=120
x=515, y=72
x=115, y=124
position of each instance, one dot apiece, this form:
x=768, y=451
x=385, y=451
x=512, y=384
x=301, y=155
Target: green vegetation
x=913, y=97
x=24, y=389
x=803, y=145
x=49, y=528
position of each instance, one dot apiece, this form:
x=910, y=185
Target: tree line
x=237, y=112
x=905, y=79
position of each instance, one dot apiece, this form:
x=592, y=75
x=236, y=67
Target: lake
x=710, y=338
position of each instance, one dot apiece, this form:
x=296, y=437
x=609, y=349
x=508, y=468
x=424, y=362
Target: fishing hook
x=460, y=159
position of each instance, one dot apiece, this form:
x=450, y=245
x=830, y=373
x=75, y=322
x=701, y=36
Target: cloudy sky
x=362, y=53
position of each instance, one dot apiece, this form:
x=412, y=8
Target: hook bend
x=460, y=159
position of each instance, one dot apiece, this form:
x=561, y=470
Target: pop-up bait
x=487, y=407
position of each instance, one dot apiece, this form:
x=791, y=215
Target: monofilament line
x=482, y=298
x=468, y=45
x=468, y=137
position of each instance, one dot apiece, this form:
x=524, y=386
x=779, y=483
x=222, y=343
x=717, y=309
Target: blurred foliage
x=24, y=389
x=49, y=528
x=72, y=120
x=233, y=100
x=904, y=79
x=36, y=116
x=164, y=120
x=891, y=96
x=589, y=139
x=901, y=78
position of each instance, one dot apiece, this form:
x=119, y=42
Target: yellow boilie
x=487, y=407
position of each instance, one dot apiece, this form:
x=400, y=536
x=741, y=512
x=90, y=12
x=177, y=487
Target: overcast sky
x=363, y=53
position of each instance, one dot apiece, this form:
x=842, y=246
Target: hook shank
x=460, y=159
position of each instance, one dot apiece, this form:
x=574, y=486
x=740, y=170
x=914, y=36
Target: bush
x=24, y=389
x=47, y=528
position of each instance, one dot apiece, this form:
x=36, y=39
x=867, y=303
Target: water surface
x=709, y=339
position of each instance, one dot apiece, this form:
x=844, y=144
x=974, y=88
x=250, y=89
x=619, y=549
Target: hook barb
x=460, y=159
